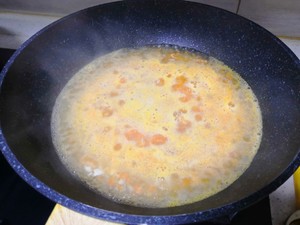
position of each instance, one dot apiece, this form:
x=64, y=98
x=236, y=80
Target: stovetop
x=20, y=204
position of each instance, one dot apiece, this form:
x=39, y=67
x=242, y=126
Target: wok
x=39, y=69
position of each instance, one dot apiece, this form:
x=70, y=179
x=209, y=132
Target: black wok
x=37, y=72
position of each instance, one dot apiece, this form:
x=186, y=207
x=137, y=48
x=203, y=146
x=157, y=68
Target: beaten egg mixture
x=156, y=126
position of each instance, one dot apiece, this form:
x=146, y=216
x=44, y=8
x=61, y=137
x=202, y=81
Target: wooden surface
x=64, y=216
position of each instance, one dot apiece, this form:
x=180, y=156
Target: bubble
x=161, y=179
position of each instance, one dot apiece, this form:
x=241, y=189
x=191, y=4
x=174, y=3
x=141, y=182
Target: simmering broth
x=156, y=126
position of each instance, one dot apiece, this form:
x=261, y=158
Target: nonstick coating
x=38, y=71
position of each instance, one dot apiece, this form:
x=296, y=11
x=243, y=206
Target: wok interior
x=41, y=70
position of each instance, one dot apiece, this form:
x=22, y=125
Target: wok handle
x=297, y=187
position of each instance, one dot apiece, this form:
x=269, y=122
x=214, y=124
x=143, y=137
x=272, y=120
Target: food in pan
x=156, y=126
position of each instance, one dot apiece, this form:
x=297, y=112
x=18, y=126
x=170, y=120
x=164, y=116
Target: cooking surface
x=21, y=204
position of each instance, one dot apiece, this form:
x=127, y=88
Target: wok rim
x=223, y=210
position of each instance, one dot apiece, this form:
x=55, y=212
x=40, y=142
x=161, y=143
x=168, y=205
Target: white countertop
x=15, y=28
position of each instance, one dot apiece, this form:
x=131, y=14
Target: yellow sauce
x=156, y=127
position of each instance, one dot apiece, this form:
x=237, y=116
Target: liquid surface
x=156, y=127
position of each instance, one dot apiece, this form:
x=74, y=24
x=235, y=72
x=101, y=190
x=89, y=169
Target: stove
x=21, y=204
